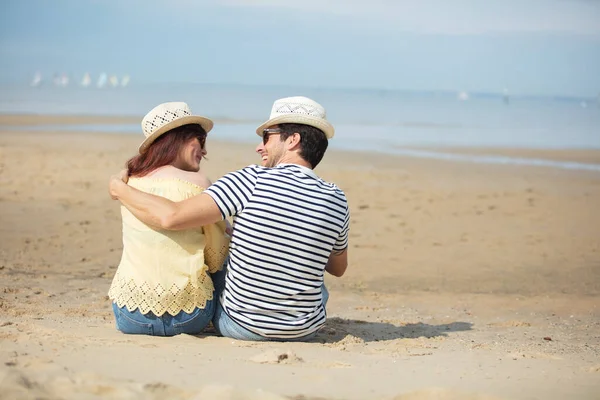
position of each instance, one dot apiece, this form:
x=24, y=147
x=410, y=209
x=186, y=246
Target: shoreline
x=582, y=155
x=568, y=158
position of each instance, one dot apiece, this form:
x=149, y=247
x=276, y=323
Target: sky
x=530, y=47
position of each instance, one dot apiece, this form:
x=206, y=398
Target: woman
x=163, y=285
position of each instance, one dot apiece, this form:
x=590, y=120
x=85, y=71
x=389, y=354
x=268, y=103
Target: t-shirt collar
x=302, y=168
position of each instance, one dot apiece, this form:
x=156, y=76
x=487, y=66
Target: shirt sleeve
x=233, y=191
x=342, y=241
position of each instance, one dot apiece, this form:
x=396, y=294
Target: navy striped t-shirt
x=287, y=221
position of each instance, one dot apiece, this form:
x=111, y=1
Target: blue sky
x=547, y=47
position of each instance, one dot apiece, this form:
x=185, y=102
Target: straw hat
x=298, y=110
x=167, y=116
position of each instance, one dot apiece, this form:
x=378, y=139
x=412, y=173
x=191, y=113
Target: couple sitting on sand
x=183, y=266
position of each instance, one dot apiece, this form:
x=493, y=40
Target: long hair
x=164, y=150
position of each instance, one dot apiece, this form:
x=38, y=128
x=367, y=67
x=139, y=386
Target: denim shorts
x=225, y=326
x=136, y=323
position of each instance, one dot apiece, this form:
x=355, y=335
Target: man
x=289, y=227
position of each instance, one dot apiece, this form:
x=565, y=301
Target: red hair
x=164, y=150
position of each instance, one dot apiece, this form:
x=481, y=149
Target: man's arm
x=337, y=263
x=159, y=212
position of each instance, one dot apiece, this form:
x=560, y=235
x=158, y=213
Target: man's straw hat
x=167, y=116
x=298, y=110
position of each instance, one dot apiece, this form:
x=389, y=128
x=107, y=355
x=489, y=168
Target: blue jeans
x=227, y=327
x=136, y=323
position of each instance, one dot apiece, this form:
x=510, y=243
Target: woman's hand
x=116, y=182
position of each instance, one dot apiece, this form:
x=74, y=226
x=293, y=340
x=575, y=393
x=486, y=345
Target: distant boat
x=37, y=80
x=583, y=104
x=505, y=97
x=102, y=80
x=61, y=80
x=86, y=80
x=113, y=80
x=463, y=96
x=125, y=81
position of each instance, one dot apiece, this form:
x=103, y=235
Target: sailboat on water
x=61, y=80
x=37, y=80
x=113, y=81
x=102, y=80
x=86, y=80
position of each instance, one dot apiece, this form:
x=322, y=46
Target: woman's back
x=167, y=271
x=170, y=172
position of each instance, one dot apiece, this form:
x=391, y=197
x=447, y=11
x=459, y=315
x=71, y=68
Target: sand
x=465, y=282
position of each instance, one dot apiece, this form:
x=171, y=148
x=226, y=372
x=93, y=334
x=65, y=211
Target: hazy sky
x=527, y=46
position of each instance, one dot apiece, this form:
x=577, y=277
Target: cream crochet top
x=166, y=271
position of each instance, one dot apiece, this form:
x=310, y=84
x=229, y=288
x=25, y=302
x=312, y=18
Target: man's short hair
x=313, y=141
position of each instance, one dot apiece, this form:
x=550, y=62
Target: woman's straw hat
x=167, y=116
x=298, y=110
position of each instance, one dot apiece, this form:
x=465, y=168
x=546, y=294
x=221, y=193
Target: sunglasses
x=270, y=131
x=202, y=140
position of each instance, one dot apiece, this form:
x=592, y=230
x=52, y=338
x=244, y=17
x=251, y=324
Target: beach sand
x=465, y=281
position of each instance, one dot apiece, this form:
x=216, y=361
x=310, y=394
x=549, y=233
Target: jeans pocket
x=128, y=325
x=195, y=322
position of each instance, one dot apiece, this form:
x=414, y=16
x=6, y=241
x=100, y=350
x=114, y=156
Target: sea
x=409, y=123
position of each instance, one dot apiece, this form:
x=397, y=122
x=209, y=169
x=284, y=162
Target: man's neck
x=294, y=159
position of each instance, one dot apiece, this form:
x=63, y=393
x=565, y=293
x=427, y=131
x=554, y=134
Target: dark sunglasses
x=202, y=140
x=270, y=131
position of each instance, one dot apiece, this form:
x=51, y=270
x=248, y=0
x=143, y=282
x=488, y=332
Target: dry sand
x=465, y=282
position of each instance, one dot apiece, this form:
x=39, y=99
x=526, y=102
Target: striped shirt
x=287, y=221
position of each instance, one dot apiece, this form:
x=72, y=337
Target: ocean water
x=416, y=124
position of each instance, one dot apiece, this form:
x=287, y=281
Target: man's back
x=287, y=222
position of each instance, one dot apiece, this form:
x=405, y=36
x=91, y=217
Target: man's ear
x=293, y=141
